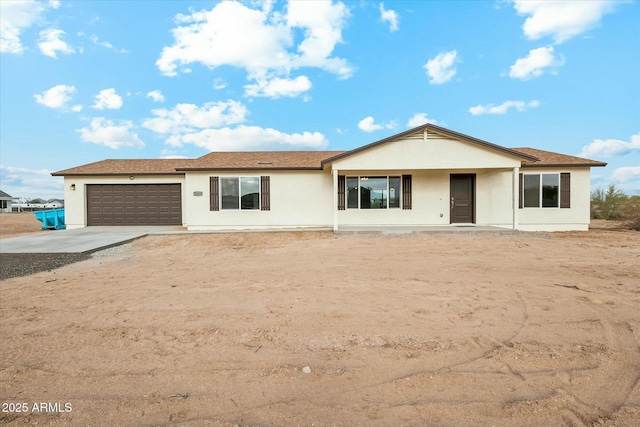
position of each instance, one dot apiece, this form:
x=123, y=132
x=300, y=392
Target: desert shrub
x=608, y=204
x=631, y=213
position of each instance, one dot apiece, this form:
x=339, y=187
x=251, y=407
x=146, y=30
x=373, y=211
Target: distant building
x=6, y=201
x=54, y=204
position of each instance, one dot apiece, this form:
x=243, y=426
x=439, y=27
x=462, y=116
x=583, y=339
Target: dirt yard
x=316, y=329
x=19, y=224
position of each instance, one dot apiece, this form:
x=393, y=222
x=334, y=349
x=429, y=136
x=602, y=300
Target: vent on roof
x=265, y=163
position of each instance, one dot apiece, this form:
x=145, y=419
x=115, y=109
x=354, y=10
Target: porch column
x=335, y=199
x=516, y=195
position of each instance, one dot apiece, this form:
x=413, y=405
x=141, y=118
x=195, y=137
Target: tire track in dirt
x=482, y=353
x=616, y=380
x=483, y=350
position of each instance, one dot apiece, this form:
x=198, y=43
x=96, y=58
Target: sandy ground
x=19, y=224
x=522, y=329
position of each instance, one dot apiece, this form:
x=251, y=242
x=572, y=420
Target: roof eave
x=565, y=165
x=277, y=168
x=63, y=173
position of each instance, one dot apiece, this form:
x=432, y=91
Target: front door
x=462, y=199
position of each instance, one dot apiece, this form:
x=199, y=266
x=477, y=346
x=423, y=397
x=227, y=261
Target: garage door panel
x=134, y=204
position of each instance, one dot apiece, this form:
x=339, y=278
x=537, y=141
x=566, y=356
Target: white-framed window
x=373, y=192
x=541, y=190
x=240, y=192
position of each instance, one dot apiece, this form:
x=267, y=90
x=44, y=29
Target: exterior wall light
x=73, y=187
x=131, y=177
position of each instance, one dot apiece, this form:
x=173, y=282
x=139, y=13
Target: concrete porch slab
x=466, y=228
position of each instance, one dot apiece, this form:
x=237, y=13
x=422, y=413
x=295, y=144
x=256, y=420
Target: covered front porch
x=425, y=199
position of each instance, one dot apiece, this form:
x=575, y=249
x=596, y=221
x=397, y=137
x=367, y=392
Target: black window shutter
x=521, y=185
x=214, y=194
x=406, y=191
x=265, y=193
x=341, y=190
x=565, y=190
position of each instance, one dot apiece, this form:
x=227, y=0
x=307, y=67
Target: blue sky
x=82, y=81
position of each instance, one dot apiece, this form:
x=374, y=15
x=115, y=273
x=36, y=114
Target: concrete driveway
x=79, y=240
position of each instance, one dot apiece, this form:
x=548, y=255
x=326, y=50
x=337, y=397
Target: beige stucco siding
x=556, y=219
x=435, y=153
x=298, y=199
x=75, y=201
x=494, y=198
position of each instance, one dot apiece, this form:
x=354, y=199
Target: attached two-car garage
x=134, y=204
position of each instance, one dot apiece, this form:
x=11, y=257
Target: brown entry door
x=462, y=199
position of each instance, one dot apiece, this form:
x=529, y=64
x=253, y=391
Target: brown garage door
x=134, y=204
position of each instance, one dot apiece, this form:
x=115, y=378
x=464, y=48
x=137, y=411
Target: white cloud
x=277, y=87
x=368, y=125
x=502, y=108
x=442, y=68
x=15, y=16
x=186, y=118
x=219, y=84
x=207, y=126
x=627, y=175
x=94, y=40
x=251, y=138
x=76, y=108
x=156, y=95
x=390, y=16
x=534, y=64
x=54, y=3
x=263, y=40
x=56, y=97
x=420, y=119
x=175, y=156
x=50, y=43
x=610, y=147
x=30, y=183
x=561, y=19
x=12, y=169
x=105, y=132
x=109, y=99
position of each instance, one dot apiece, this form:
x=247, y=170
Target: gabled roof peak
x=428, y=127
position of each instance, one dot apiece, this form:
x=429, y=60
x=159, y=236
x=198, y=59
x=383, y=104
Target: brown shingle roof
x=550, y=159
x=128, y=167
x=280, y=160
x=260, y=160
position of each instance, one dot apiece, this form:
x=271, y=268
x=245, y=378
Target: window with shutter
x=565, y=190
x=406, y=191
x=540, y=190
x=341, y=189
x=214, y=194
x=265, y=193
x=520, y=196
x=372, y=192
x=239, y=192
